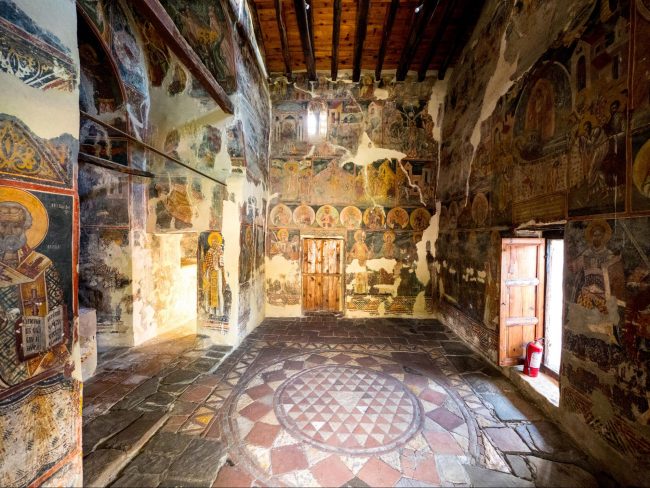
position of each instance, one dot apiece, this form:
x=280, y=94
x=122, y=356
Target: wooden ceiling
x=373, y=35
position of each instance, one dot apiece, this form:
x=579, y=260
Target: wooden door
x=321, y=275
x=522, y=297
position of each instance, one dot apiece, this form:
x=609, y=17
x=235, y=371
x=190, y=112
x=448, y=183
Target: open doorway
x=531, y=299
x=554, y=303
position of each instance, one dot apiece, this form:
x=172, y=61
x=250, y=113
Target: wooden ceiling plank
x=336, y=34
x=433, y=47
x=153, y=11
x=420, y=21
x=388, y=27
x=360, y=37
x=305, y=37
x=286, y=55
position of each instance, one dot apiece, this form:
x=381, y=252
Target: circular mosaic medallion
x=347, y=409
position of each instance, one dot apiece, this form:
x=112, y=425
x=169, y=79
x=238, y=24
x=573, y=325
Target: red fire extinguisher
x=533, y=361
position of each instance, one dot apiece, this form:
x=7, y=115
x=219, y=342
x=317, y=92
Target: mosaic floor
x=326, y=402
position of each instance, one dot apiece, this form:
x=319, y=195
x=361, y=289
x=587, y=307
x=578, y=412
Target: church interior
x=325, y=243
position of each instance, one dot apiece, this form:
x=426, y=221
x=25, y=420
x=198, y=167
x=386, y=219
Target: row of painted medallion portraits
x=557, y=140
x=350, y=217
x=324, y=180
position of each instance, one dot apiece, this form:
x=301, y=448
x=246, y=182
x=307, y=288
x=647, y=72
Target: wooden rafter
x=336, y=34
x=305, y=37
x=389, y=20
x=153, y=11
x=286, y=55
x=420, y=21
x=360, y=37
x=435, y=42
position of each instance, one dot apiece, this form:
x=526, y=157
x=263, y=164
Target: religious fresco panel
x=208, y=29
x=607, y=320
x=27, y=157
x=214, y=295
x=32, y=54
x=36, y=280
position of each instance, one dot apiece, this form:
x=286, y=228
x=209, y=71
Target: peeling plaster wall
x=157, y=278
x=551, y=131
x=40, y=389
x=355, y=161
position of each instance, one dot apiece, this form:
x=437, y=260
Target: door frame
x=343, y=256
x=540, y=242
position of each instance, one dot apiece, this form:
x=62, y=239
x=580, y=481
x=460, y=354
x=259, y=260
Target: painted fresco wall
x=356, y=161
x=40, y=413
x=153, y=248
x=554, y=128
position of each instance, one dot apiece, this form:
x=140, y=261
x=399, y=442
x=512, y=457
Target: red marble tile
x=392, y=368
x=255, y=411
x=215, y=431
x=341, y=358
x=288, y=458
x=442, y=442
x=315, y=358
x=232, y=476
x=259, y=391
x=433, y=396
x=263, y=434
x=377, y=473
x=445, y=418
x=426, y=470
x=367, y=361
x=331, y=472
x=174, y=423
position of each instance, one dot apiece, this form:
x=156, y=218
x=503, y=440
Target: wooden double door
x=322, y=272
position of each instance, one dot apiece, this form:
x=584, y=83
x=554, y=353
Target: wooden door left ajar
x=321, y=275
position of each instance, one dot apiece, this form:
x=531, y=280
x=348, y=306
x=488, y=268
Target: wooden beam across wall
x=420, y=21
x=305, y=37
x=336, y=34
x=389, y=20
x=360, y=37
x=435, y=42
x=286, y=55
x=155, y=13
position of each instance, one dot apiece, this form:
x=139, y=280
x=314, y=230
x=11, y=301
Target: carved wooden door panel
x=522, y=297
x=321, y=275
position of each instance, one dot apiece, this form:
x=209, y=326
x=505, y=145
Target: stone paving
x=323, y=402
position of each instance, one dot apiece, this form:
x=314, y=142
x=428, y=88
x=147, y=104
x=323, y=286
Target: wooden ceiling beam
x=360, y=37
x=155, y=13
x=440, y=32
x=300, y=7
x=420, y=21
x=389, y=20
x=336, y=34
x=286, y=55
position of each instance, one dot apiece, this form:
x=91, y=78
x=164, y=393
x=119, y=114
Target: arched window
x=317, y=120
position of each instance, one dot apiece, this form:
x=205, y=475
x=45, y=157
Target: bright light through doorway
x=554, y=304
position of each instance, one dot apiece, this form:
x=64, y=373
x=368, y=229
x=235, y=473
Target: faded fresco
x=207, y=28
x=607, y=291
x=551, y=142
x=346, y=163
x=39, y=398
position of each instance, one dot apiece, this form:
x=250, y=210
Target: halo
x=215, y=236
x=641, y=170
x=40, y=220
x=589, y=231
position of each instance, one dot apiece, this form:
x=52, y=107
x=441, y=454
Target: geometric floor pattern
x=297, y=421
x=348, y=409
x=328, y=402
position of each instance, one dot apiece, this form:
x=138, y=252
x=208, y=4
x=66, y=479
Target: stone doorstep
x=103, y=466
